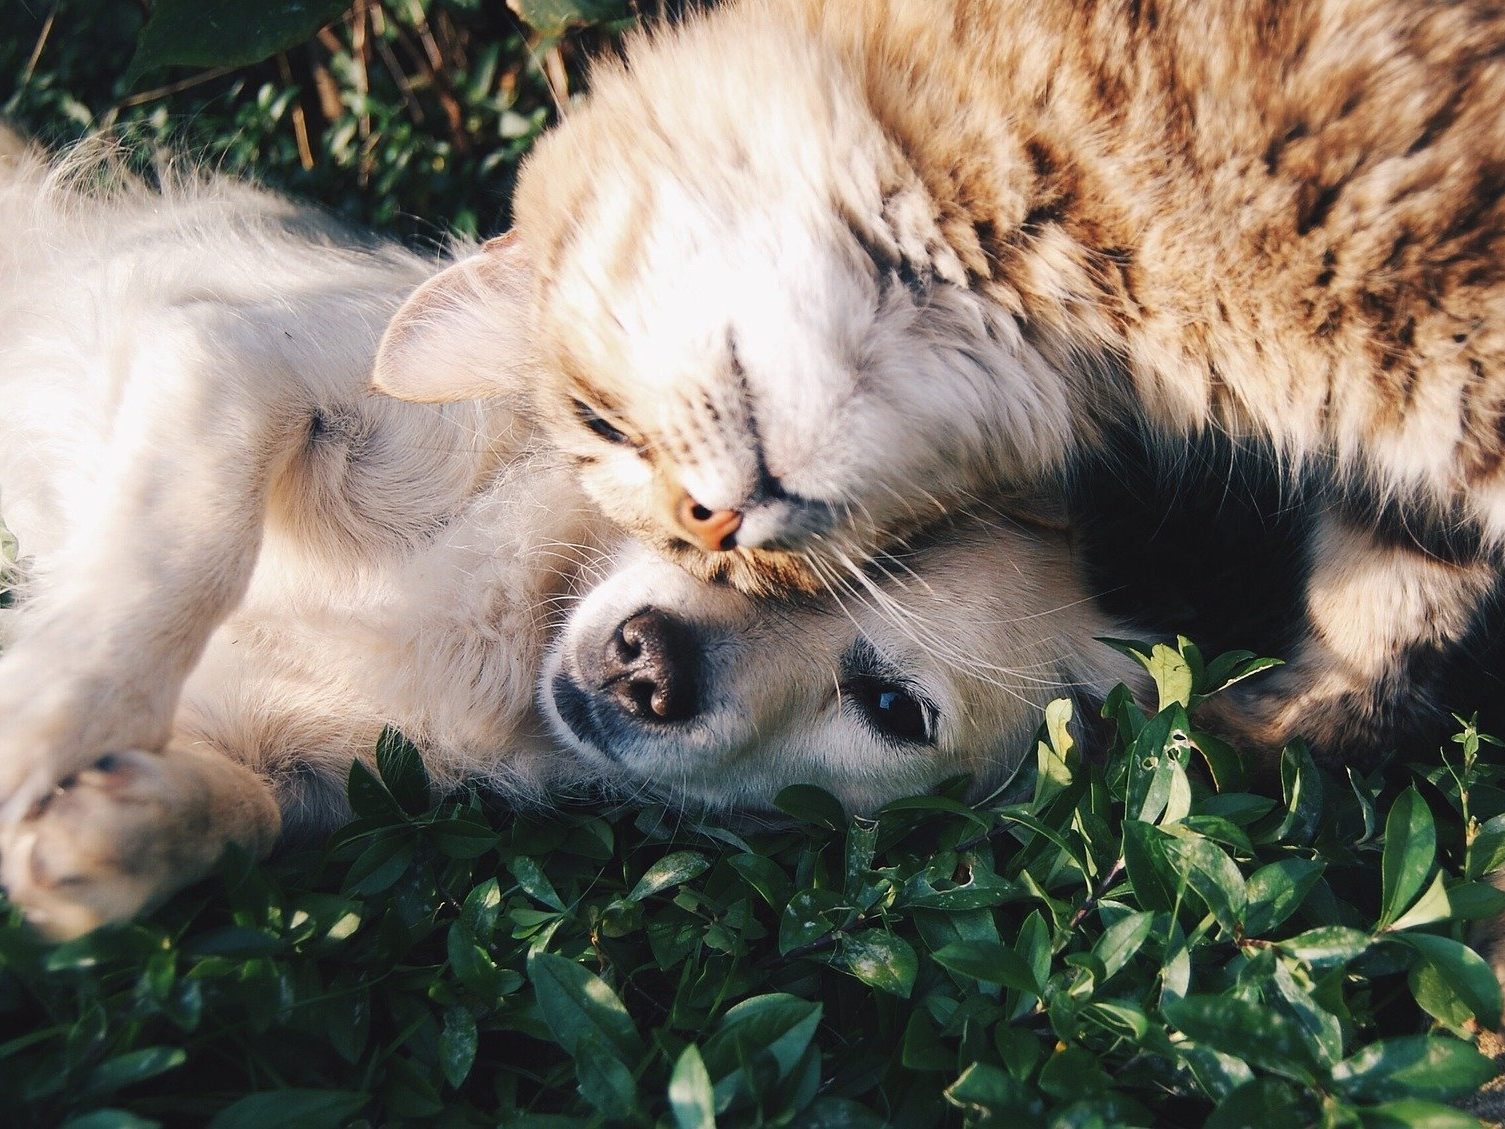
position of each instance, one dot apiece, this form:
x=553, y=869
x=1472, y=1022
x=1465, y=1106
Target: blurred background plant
x=411, y=115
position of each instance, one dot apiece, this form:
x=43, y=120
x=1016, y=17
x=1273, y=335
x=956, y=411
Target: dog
x=237, y=564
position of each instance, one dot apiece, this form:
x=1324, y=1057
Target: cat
x=807, y=275
x=237, y=566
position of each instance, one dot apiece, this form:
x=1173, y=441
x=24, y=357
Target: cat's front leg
x=1381, y=616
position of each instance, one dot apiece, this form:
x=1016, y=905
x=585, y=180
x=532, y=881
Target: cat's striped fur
x=833, y=266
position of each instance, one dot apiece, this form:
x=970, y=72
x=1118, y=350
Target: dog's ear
x=466, y=333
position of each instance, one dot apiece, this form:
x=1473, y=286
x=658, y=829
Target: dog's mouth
x=573, y=705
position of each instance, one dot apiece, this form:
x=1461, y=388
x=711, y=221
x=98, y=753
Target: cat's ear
x=466, y=333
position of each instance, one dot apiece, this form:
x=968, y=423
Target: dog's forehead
x=973, y=592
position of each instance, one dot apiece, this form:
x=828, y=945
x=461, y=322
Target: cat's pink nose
x=715, y=531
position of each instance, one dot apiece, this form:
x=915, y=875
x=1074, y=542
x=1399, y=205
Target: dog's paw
x=108, y=842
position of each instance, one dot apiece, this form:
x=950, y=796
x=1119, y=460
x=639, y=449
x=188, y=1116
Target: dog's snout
x=650, y=667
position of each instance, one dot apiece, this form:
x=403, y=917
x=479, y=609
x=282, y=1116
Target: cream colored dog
x=238, y=565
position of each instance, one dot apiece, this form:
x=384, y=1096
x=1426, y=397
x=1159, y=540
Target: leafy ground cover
x=1139, y=940
x=1140, y=936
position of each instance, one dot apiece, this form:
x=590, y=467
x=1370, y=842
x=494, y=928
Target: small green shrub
x=1140, y=940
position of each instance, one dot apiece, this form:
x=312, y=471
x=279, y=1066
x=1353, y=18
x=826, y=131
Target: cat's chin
x=758, y=572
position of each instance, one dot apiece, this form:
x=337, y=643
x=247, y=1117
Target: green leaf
x=1276, y=891
x=1264, y=1103
x=381, y=864
x=1301, y=785
x=534, y=882
x=766, y=877
x=224, y=33
x=369, y=798
x=1212, y=874
x=809, y=804
x=671, y=870
x=881, y=960
x=941, y=804
x=1154, y=879
x=830, y=1112
x=482, y=905
x=1072, y=1072
x=1232, y=667
x=472, y=965
x=1435, y=996
x=1121, y=940
x=691, y=1098
x=462, y=838
x=400, y=766
x=604, y=1081
x=1475, y=901
x=809, y=916
x=1054, y=767
x=1463, y=971
x=291, y=1109
x=985, y=1089
x=131, y=1067
x=1222, y=760
x=552, y=18
x=1487, y=854
x=1412, y=1113
x=779, y=1024
x=862, y=845
x=982, y=889
x=1413, y=1066
x=575, y=1003
x=109, y=1119
x=457, y=1045
x=1172, y=676
x=990, y=962
x=1433, y=906
x=1410, y=852
x=1262, y=1037
x=1217, y=1073
x=1327, y=945
x=922, y=1048
x=1163, y=746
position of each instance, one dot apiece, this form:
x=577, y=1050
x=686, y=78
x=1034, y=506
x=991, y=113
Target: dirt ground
x=1489, y=1103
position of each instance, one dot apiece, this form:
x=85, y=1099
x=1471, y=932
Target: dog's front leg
x=206, y=414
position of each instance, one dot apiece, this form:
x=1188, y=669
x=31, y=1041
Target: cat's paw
x=1332, y=717
x=123, y=834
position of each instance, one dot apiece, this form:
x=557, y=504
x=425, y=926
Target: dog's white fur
x=239, y=565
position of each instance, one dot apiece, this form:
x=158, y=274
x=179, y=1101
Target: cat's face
x=759, y=401
x=755, y=344
x=699, y=694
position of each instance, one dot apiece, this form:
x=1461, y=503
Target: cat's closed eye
x=594, y=421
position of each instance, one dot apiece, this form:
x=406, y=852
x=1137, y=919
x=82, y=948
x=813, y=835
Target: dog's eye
x=893, y=710
x=588, y=416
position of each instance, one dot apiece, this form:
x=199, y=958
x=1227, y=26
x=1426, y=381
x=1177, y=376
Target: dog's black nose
x=649, y=669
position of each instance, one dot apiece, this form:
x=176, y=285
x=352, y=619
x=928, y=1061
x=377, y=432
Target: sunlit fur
x=988, y=624
x=240, y=565
x=883, y=254
x=234, y=554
